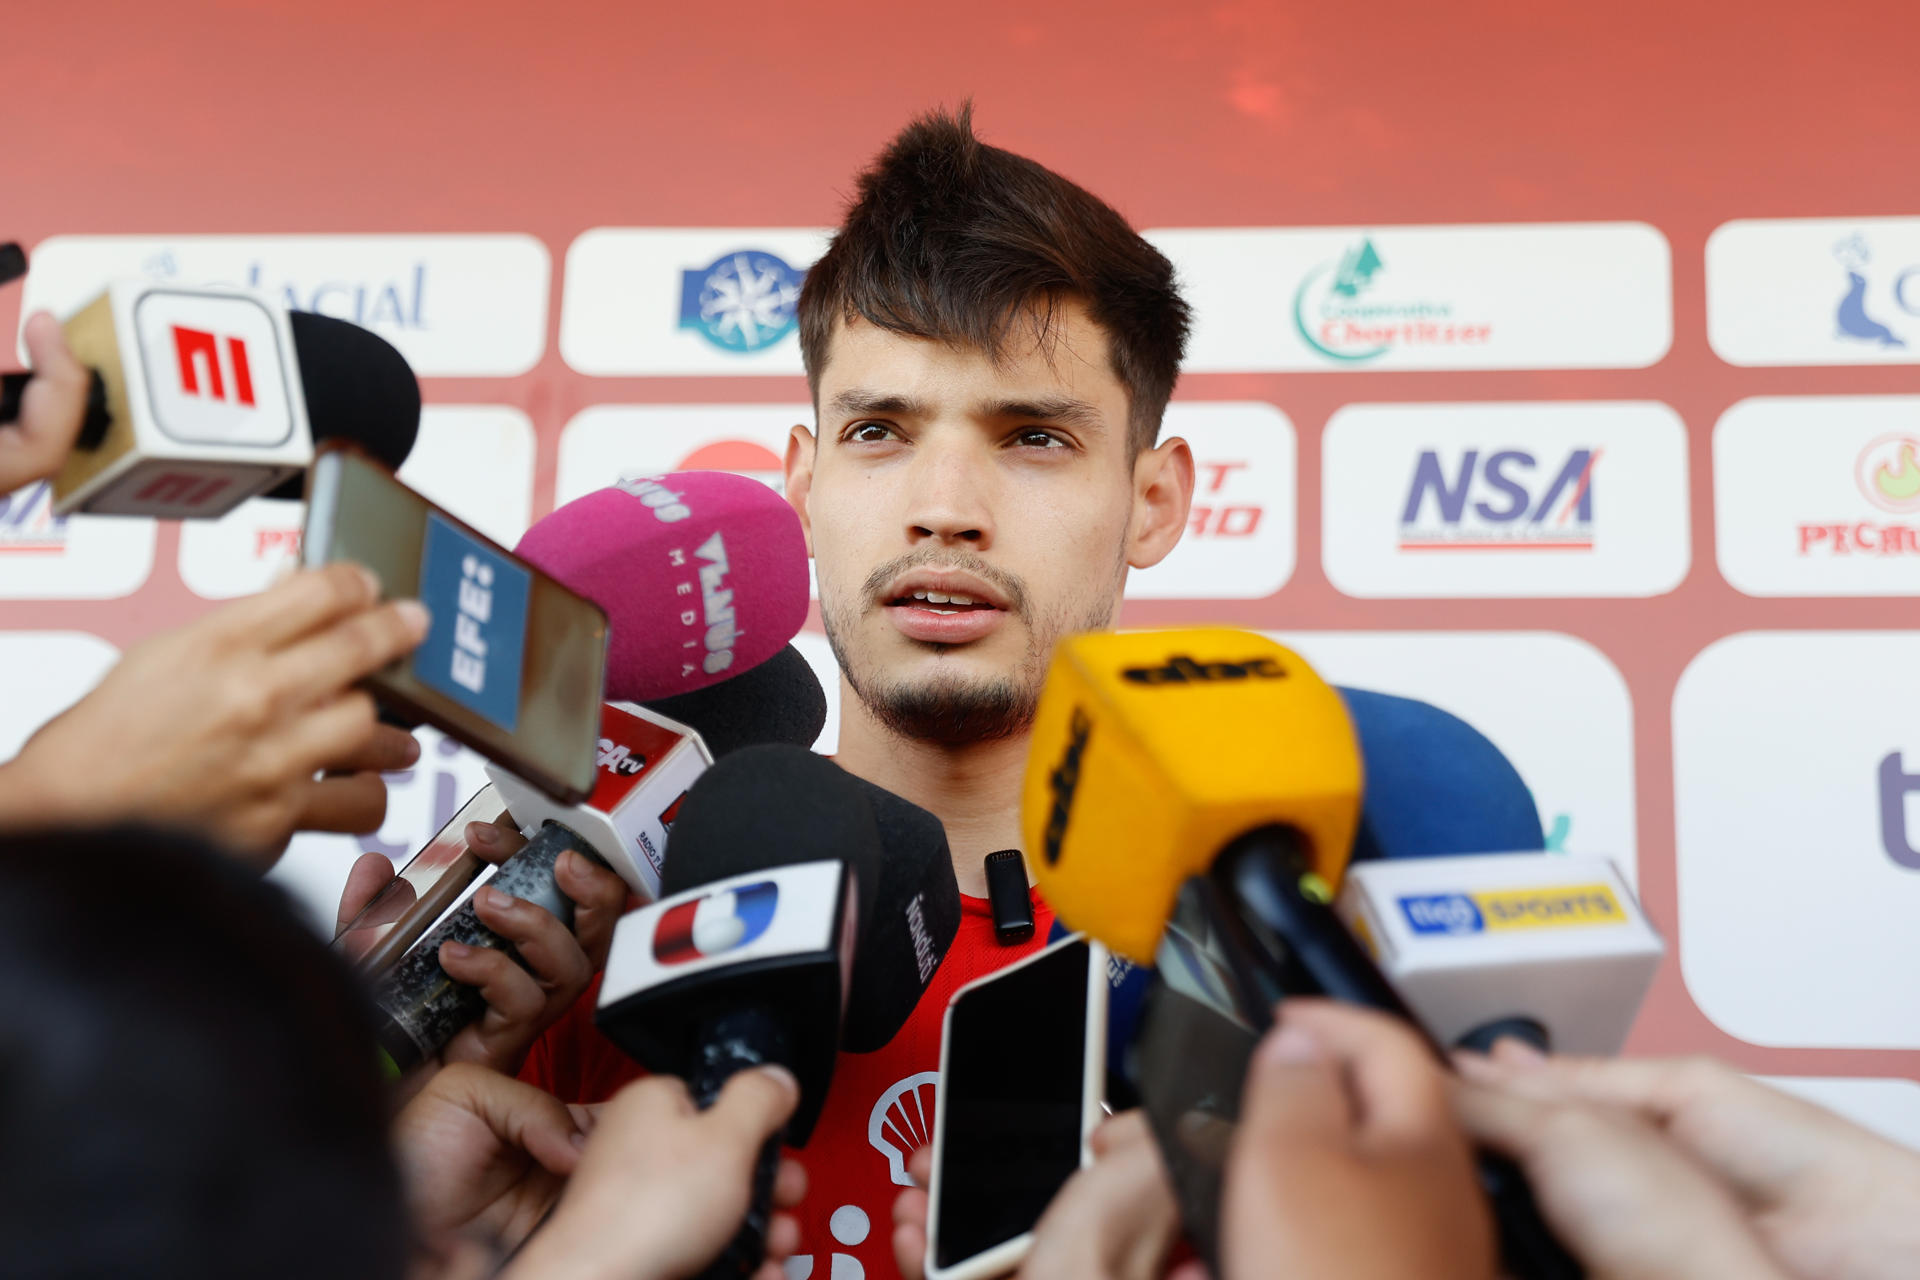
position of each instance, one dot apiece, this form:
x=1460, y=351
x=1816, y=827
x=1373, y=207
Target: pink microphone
x=703, y=574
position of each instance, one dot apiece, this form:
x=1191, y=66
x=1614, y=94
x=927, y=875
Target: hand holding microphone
x=52, y=407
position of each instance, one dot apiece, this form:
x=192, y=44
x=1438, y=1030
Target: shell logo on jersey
x=715, y=924
x=901, y=1122
x=1498, y=911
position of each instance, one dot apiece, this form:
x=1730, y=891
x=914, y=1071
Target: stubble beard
x=949, y=709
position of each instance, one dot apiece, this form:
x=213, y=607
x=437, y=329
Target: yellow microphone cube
x=1152, y=750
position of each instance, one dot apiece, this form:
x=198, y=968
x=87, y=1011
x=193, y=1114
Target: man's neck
x=973, y=789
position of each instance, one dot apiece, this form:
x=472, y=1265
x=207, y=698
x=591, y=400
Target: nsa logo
x=745, y=301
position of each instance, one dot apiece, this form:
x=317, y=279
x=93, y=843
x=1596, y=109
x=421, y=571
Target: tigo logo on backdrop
x=1339, y=312
x=715, y=923
x=454, y=305
x=742, y=457
x=1819, y=495
x=1519, y=296
x=1442, y=500
x=746, y=300
x=1520, y=516
x=1896, y=784
x=1812, y=291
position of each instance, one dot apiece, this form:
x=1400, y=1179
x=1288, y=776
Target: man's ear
x=799, y=471
x=1162, y=495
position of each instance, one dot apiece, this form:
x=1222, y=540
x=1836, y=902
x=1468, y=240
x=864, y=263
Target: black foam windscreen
x=358, y=388
x=773, y=805
x=916, y=913
x=780, y=700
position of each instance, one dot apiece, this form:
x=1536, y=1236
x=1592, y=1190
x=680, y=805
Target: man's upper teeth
x=942, y=597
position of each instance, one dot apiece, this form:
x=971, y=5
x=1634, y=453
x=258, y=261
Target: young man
x=990, y=350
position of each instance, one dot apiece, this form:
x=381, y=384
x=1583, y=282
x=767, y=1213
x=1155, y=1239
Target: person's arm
x=1827, y=1198
x=662, y=1187
x=1347, y=1159
x=521, y=1002
x=221, y=725
x=52, y=407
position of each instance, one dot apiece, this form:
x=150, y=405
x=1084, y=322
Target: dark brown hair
x=953, y=240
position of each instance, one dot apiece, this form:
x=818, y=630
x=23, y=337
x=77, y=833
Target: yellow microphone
x=1153, y=751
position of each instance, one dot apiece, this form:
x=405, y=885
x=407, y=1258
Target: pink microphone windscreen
x=703, y=574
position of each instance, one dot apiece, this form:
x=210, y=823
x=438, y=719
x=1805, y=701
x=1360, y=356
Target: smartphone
x=1022, y=1064
x=433, y=881
x=513, y=664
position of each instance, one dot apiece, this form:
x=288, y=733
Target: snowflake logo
x=744, y=301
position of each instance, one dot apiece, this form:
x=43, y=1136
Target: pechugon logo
x=1888, y=473
x=743, y=301
x=1343, y=312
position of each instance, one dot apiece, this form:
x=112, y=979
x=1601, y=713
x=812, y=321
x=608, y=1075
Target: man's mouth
x=939, y=602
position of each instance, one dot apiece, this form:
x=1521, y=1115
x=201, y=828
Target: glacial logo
x=743, y=301
x=715, y=923
x=396, y=302
x=1341, y=313
x=1851, y=322
x=1509, y=517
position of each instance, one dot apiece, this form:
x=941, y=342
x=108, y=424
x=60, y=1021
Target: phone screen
x=513, y=663
x=1013, y=1101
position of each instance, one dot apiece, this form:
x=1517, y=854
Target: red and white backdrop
x=1556, y=364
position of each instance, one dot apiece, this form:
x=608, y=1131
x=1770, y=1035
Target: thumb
x=754, y=1104
x=47, y=350
x=1293, y=1093
x=1499, y=1118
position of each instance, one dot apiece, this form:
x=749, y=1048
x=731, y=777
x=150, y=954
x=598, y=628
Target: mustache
x=965, y=562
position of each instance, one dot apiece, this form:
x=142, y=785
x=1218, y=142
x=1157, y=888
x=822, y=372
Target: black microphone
x=749, y=955
x=780, y=700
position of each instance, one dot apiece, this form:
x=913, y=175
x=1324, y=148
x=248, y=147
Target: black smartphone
x=513, y=664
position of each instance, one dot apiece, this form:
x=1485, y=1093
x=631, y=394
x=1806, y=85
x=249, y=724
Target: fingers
x=599, y=900
x=1658, y=1087
x=1497, y=1118
x=353, y=803
x=546, y=946
x=294, y=606
x=920, y=1166
x=1398, y=1087
x=331, y=730
x=521, y=1115
x=387, y=749
x=789, y=1184
x=352, y=648
x=754, y=1104
x=495, y=841
x=910, y=1247
x=48, y=354
x=369, y=875
x=783, y=1235
x=1293, y=1093
x=514, y=1004
x=1119, y=1132
x=52, y=408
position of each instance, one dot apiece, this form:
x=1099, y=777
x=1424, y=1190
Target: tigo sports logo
x=1813, y=291
x=1497, y=911
x=1500, y=500
x=1819, y=495
x=715, y=923
x=745, y=300
x=1340, y=314
x=1505, y=500
x=1546, y=296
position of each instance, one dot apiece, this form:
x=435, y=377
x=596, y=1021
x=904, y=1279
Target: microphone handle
x=1287, y=940
x=93, y=427
x=732, y=1042
x=419, y=1006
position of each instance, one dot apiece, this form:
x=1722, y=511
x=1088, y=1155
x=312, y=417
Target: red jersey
x=879, y=1107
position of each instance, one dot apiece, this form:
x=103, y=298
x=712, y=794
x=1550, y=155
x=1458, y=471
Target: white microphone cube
x=204, y=397
x=1468, y=941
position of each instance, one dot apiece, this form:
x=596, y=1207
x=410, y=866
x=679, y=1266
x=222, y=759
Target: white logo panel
x=42, y=673
x=474, y=460
x=1810, y=291
x=1548, y=296
x=1819, y=495
x=660, y=300
x=1239, y=541
x=1505, y=500
x=454, y=305
x=1797, y=828
x=1553, y=704
x=215, y=371
x=49, y=557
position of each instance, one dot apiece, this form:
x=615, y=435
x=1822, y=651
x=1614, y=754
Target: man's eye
x=870, y=432
x=1038, y=439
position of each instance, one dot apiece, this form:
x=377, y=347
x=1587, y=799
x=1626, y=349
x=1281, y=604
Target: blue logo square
x=478, y=634
x=1442, y=913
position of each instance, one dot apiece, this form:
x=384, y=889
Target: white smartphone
x=1022, y=1072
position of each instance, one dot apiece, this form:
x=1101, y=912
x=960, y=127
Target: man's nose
x=950, y=498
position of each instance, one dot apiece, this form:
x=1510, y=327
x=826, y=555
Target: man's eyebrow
x=857, y=402
x=1064, y=410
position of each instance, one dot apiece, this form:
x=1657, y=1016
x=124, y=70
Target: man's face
x=964, y=515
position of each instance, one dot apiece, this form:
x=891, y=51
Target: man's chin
x=951, y=708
